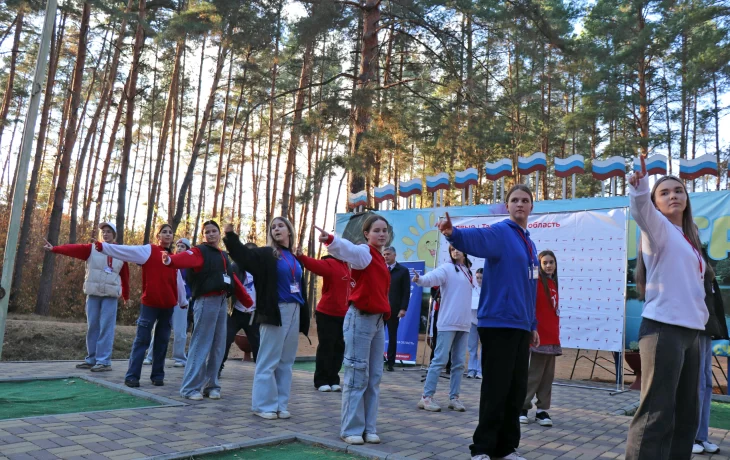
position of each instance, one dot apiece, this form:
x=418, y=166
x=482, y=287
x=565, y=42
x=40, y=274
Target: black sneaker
x=523, y=417
x=84, y=365
x=543, y=419
x=158, y=383
x=132, y=383
x=389, y=368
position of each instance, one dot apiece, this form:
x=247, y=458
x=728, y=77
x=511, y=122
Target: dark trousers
x=330, y=351
x=238, y=320
x=392, y=324
x=505, y=364
x=666, y=421
x=147, y=318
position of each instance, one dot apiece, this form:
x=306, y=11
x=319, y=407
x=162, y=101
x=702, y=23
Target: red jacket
x=336, y=283
x=548, y=321
x=83, y=252
x=193, y=258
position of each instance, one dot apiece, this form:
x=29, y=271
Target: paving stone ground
x=585, y=424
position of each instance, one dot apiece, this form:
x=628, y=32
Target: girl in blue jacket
x=505, y=321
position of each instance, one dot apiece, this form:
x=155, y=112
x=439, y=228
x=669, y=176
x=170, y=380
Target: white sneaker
x=514, y=456
x=480, y=457
x=147, y=362
x=698, y=448
x=336, y=388
x=427, y=403
x=267, y=415
x=177, y=364
x=195, y=397
x=283, y=414
x=478, y=376
x=325, y=388
x=523, y=417
x=214, y=394
x=372, y=438
x=710, y=448
x=355, y=440
x=455, y=404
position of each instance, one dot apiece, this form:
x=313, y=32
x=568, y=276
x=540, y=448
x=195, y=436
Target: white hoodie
x=456, y=291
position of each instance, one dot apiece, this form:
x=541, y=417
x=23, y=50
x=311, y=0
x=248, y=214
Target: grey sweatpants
x=665, y=423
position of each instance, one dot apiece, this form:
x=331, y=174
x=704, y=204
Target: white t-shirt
x=248, y=284
x=456, y=292
x=675, y=291
x=475, y=293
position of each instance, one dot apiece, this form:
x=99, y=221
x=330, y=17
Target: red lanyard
x=109, y=262
x=291, y=267
x=225, y=266
x=467, y=274
x=529, y=246
x=697, y=253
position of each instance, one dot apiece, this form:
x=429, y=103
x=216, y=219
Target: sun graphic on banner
x=427, y=240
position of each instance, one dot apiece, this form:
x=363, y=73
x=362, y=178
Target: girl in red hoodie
x=162, y=289
x=542, y=358
x=363, y=328
x=330, y=316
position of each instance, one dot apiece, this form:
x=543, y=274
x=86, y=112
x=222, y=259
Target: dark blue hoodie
x=508, y=292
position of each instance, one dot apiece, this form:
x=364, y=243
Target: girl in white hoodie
x=454, y=322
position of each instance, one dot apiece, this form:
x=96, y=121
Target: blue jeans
x=364, y=335
x=703, y=431
x=475, y=357
x=206, y=347
x=101, y=320
x=145, y=322
x=180, y=339
x=277, y=352
x=453, y=342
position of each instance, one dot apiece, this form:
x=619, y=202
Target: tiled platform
x=586, y=426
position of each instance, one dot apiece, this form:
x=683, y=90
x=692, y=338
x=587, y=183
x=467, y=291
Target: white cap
x=184, y=241
x=110, y=225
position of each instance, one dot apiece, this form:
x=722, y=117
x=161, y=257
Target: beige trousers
x=540, y=380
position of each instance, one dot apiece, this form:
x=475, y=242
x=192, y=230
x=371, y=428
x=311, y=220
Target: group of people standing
x=510, y=306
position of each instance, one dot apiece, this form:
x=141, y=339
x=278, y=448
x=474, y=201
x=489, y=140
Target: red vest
x=372, y=284
x=548, y=321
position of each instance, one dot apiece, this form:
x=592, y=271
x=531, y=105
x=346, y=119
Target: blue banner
x=407, y=348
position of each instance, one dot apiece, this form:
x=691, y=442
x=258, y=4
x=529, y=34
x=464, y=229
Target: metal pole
x=11, y=244
x=573, y=189
x=501, y=188
x=565, y=185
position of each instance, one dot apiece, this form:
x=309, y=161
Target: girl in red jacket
x=542, y=358
x=212, y=281
x=363, y=328
x=162, y=289
x=330, y=316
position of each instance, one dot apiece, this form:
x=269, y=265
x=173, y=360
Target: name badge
x=108, y=269
x=294, y=288
x=534, y=273
x=226, y=279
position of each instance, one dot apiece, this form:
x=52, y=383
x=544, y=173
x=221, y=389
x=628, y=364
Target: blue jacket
x=509, y=293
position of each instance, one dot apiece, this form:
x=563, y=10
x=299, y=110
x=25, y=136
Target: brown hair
x=689, y=228
x=370, y=221
x=160, y=229
x=270, y=239
x=467, y=262
x=521, y=187
x=544, y=276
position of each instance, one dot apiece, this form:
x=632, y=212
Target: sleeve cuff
x=330, y=239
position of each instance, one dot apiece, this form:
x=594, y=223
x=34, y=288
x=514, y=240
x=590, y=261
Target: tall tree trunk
x=173, y=163
x=222, y=147
x=46, y=281
x=274, y=71
x=304, y=79
x=201, y=195
x=716, y=118
x=147, y=148
x=8, y=98
x=365, y=81
x=30, y=203
x=222, y=53
x=162, y=143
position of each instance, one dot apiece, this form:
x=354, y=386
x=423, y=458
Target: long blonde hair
x=270, y=239
x=690, y=231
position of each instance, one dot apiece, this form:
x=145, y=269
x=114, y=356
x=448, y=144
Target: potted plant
x=633, y=359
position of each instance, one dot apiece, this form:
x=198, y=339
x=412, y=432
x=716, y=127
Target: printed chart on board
x=590, y=247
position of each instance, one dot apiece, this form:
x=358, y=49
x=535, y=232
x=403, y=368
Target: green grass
x=304, y=366
x=720, y=415
x=288, y=451
x=62, y=396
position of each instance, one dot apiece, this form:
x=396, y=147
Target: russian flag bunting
x=700, y=166
x=566, y=167
x=498, y=169
x=384, y=193
x=535, y=162
x=612, y=167
x=655, y=164
x=358, y=199
x=438, y=182
x=463, y=179
x=410, y=187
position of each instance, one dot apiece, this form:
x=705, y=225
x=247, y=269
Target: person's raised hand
x=637, y=176
x=445, y=226
x=415, y=277
x=298, y=252
x=323, y=235
x=48, y=246
x=165, y=258
x=228, y=228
